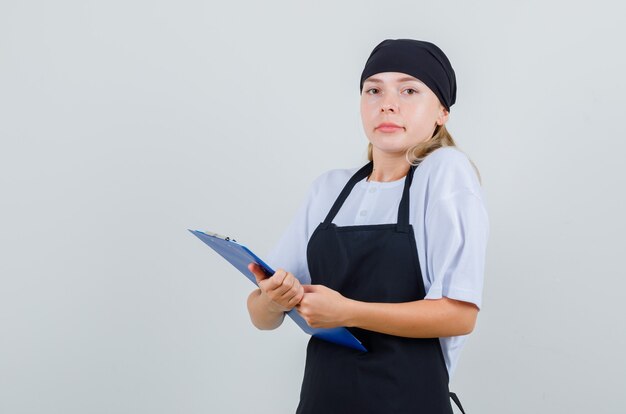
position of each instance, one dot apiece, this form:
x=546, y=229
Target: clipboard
x=240, y=256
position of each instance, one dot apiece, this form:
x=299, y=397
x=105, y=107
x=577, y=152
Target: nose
x=389, y=105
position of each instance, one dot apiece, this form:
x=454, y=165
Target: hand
x=322, y=307
x=283, y=290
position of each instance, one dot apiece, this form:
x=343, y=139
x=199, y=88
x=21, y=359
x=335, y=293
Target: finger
x=285, y=285
x=294, y=297
x=258, y=273
x=276, y=279
x=288, y=303
x=283, y=276
x=304, y=302
x=290, y=286
x=283, y=294
x=298, y=298
x=278, y=294
x=299, y=292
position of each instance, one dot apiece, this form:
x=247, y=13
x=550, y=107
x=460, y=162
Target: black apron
x=372, y=263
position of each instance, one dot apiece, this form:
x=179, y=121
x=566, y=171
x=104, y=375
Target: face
x=399, y=111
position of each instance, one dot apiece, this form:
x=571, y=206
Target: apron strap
x=457, y=401
x=403, y=209
x=358, y=176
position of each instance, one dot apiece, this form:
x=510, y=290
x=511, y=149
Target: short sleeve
x=457, y=229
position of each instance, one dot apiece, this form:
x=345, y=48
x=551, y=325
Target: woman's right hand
x=282, y=289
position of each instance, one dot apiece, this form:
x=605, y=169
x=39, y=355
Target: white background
x=123, y=123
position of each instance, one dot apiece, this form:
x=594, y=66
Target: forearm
x=429, y=318
x=263, y=313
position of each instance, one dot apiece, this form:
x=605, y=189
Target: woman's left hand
x=322, y=307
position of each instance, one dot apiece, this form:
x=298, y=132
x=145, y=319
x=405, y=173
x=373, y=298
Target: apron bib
x=372, y=263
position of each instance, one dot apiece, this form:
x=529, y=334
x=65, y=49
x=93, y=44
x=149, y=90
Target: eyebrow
x=405, y=79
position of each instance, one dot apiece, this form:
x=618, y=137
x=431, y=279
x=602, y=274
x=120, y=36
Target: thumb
x=310, y=288
x=258, y=273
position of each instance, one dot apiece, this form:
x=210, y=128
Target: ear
x=444, y=114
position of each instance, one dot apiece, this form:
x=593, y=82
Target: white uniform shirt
x=447, y=212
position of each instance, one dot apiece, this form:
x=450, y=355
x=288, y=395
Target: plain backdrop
x=124, y=123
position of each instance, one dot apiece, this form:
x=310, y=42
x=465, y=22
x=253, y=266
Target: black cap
x=420, y=59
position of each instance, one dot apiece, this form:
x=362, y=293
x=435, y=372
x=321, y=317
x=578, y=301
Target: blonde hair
x=441, y=138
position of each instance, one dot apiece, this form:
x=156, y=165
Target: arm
x=275, y=296
x=428, y=318
x=323, y=307
x=456, y=231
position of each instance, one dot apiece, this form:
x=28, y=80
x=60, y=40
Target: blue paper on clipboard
x=240, y=256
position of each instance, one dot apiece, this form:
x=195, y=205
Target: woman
x=394, y=250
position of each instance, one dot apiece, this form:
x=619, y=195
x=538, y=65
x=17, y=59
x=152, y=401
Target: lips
x=389, y=127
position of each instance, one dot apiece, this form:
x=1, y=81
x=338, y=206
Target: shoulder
x=332, y=179
x=445, y=158
x=323, y=191
x=448, y=170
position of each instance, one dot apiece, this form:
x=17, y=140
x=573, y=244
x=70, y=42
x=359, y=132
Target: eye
x=410, y=91
x=371, y=91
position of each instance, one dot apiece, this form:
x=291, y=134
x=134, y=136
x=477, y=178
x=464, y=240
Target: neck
x=388, y=167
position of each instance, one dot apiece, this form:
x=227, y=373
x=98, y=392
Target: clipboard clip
x=220, y=236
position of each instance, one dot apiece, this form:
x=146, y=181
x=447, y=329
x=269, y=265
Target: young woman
x=393, y=250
